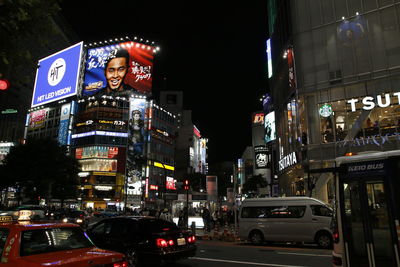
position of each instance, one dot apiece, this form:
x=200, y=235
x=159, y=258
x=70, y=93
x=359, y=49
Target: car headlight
x=79, y=220
x=65, y=220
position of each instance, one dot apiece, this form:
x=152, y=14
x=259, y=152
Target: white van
x=286, y=219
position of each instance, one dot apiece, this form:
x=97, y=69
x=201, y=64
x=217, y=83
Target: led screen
x=270, y=133
x=269, y=58
x=136, y=136
x=57, y=76
x=118, y=69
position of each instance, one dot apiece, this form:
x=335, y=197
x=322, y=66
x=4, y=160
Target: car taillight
x=191, y=239
x=161, y=243
x=121, y=264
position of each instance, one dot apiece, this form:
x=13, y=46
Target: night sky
x=214, y=52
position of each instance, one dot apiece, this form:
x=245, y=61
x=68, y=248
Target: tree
x=255, y=182
x=24, y=20
x=41, y=169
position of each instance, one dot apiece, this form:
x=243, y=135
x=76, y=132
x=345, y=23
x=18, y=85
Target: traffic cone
x=216, y=232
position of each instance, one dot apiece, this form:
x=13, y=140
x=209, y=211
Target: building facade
x=335, y=86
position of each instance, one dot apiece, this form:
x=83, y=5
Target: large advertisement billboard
x=136, y=137
x=119, y=69
x=270, y=132
x=57, y=76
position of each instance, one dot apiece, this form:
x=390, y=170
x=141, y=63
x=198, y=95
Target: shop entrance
x=368, y=228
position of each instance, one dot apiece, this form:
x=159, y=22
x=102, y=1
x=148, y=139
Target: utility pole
x=234, y=195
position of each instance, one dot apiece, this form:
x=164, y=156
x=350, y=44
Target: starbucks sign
x=325, y=110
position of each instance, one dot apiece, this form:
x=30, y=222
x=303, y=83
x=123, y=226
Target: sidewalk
x=226, y=234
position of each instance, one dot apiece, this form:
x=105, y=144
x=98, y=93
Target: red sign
x=196, y=132
x=170, y=183
x=78, y=153
x=112, y=152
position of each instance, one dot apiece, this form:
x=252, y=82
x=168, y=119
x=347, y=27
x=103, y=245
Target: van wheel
x=256, y=237
x=324, y=240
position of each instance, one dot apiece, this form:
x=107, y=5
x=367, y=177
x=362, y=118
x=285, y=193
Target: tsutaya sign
x=287, y=161
x=370, y=103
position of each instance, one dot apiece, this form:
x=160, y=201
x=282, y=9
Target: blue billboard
x=57, y=76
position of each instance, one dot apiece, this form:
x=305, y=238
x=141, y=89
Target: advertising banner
x=270, y=133
x=136, y=137
x=64, y=123
x=57, y=76
x=119, y=69
x=99, y=152
x=262, y=157
x=37, y=119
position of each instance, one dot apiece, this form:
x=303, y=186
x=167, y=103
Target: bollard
x=193, y=227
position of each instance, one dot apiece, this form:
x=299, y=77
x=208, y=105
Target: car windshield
x=55, y=239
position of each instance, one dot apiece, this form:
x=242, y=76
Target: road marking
x=304, y=254
x=245, y=262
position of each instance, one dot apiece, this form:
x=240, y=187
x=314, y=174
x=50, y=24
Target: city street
x=217, y=253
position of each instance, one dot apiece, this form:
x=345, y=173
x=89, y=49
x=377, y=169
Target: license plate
x=181, y=241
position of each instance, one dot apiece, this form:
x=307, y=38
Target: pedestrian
x=206, y=219
x=181, y=220
x=165, y=215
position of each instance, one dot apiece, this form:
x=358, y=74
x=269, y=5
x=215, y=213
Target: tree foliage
x=41, y=168
x=24, y=25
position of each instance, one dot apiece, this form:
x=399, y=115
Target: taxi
x=31, y=244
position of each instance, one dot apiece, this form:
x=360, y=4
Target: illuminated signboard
x=37, y=118
x=258, y=118
x=269, y=58
x=270, y=133
x=57, y=76
x=137, y=111
x=103, y=133
x=325, y=110
x=103, y=152
x=287, y=161
x=135, y=76
x=64, y=124
x=262, y=157
x=196, y=132
x=370, y=102
x=170, y=183
x=153, y=187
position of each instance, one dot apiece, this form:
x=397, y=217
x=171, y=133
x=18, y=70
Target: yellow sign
x=105, y=173
x=24, y=215
x=5, y=219
x=160, y=165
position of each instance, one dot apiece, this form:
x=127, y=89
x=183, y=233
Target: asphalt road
x=225, y=254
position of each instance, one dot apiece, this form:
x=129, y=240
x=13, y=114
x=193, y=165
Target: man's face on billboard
x=116, y=70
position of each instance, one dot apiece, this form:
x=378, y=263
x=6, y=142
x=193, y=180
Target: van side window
x=288, y=212
x=274, y=212
x=254, y=212
x=320, y=210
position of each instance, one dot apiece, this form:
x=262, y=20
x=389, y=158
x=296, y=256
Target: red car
x=30, y=244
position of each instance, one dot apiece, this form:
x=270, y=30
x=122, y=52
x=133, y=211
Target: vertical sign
x=64, y=123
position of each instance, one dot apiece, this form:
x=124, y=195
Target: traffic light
x=186, y=185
